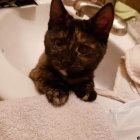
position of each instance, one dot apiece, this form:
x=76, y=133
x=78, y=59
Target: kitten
x=73, y=50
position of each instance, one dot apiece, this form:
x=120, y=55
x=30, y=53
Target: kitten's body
x=73, y=50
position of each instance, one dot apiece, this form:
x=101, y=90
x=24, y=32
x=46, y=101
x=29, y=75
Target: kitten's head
x=73, y=45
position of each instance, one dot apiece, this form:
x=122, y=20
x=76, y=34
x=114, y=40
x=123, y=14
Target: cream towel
x=33, y=118
x=133, y=64
x=127, y=83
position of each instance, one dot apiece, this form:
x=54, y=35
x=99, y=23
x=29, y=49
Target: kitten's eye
x=84, y=50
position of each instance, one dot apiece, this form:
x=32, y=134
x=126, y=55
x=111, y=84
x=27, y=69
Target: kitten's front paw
x=86, y=92
x=90, y=96
x=57, y=97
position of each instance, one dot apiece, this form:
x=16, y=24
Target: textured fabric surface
x=33, y=118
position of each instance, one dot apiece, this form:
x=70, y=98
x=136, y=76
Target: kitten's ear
x=102, y=21
x=57, y=12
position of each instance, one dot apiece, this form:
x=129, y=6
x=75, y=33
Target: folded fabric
x=127, y=83
x=126, y=120
x=132, y=59
x=124, y=11
x=33, y=118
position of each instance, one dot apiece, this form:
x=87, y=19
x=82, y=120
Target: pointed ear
x=57, y=12
x=102, y=21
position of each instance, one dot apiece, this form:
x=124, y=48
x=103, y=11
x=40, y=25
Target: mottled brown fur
x=73, y=50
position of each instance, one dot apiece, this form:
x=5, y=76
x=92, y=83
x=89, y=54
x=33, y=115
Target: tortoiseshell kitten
x=73, y=50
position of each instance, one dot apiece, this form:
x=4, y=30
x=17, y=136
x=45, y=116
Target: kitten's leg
x=55, y=96
x=86, y=92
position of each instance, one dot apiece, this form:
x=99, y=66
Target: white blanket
x=126, y=120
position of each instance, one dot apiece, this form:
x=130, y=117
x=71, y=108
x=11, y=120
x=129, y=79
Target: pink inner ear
x=102, y=23
x=104, y=18
x=57, y=10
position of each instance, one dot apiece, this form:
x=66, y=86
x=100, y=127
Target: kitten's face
x=73, y=46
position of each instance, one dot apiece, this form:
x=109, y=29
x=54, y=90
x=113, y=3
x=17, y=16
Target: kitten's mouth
x=63, y=72
x=71, y=70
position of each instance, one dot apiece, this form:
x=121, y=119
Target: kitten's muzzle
x=66, y=63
